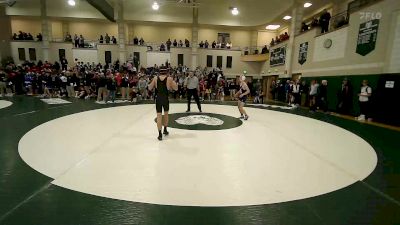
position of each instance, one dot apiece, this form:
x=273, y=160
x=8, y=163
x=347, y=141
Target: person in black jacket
x=324, y=21
x=323, y=96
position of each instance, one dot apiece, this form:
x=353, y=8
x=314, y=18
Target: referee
x=192, y=85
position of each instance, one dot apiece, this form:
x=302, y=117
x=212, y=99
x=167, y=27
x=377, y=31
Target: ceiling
x=211, y=12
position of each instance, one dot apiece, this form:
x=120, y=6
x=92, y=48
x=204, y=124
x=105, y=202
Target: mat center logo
x=199, y=119
x=202, y=121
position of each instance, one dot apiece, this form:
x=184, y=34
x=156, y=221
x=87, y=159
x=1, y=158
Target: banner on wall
x=277, y=56
x=367, y=35
x=303, y=53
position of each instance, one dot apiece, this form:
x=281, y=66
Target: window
x=61, y=54
x=229, y=62
x=219, y=61
x=209, y=61
x=107, y=56
x=180, y=59
x=32, y=54
x=21, y=54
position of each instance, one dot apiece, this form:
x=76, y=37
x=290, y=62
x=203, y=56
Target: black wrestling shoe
x=159, y=137
x=166, y=133
x=246, y=117
x=188, y=111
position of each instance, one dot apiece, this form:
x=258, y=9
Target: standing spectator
x=3, y=81
x=296, y=93
x=206, y=44
x=313, y=95
x=64, y=64
x=142, y=86
x=272, y=42
x=101, y=39
x=124, y=87
x=81, y=41
x=304, y=27
x=323, y=96
x=304, y=90
x=187, y=43
x=364, y=100
x=113, y=40
x=169, y=43
x=102, y=89
x=324, y=21
x=201, y=44
x=175, y=43
x=345, y=98
x=111, y=87
x=141, y=41
x=264, y=50
x=214, y=44
x=76, y=41
x=180, y=43
x=107, y=39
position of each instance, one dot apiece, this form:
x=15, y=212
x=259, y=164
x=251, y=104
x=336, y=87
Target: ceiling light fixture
x=272, y=27
x=307, y=4
x=287, y=17
x=155, y=6
x=71, y=2
x=235, y=11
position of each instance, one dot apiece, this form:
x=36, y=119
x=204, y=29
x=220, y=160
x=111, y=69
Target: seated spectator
x=162, y=47
x=314, y=22
x=81, y=41
x=68, y=37
x=114, y=40
x=206, y=44
x=229, y=45
x=101, y=39
x=39, y=37
x=15, y=36
x=187, y=43
x=175, y=43
x=107, y=38
x=277, y=40
x=76, y=41
x=264, y=50
x=135, y=40
x=201, y=44
x=304, y=27
x=141, y=41
x=180, y=43
x=29, y=37
x=218, y=45
x=214, y=44
x=285, y=36
x=272, y=42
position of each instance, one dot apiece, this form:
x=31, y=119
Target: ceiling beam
x=104, y=7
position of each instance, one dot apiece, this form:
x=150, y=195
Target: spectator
x=39, y=37
x=313, y=95
x=314, y=22
x=206, y=44
x=101, y=39
x=114, y=40
x=111, y=87
x=304, y=91
x=76, y=41
x=264, y=50
x=141, y=41
x=175, y=43
x=296, y=93
x=81, y=41
x=364, y=101
x=162, y=47
x=304, y=27
x=29, y=37
x=323, y=96
x=20, y=35
x=345, y=98
x=169, y=43
x=187, y=43
x=214, y=44
x=180, y=43
x=201, y=44
x=272, y=42
x=107, y=39
x=64, y=64
x=324, y=21
x=229, y=45
x=68, y=37
x=135, y=40
x=15, y=36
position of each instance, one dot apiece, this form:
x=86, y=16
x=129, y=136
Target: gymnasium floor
x=79, y=162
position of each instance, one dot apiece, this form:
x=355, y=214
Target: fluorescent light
x=235, y=11
x=307, y=4
x=71, y=2
x=287, y=17
x=272, y=27
x=155, y=6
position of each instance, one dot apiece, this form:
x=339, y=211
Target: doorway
x=267, y=81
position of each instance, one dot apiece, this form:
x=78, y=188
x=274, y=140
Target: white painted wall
x=85, y=55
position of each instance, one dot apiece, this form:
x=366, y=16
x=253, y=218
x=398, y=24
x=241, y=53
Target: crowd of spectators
x=214, y=44
x=278, y=39
x=324, y=21
x=23, y=36
x=107, y=39
x=137, y=41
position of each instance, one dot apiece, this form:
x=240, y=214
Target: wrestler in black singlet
x=162, y=101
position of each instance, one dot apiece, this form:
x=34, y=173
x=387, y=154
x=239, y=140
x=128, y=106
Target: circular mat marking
x=202, y=121
x=273, y=157
x=4, y=104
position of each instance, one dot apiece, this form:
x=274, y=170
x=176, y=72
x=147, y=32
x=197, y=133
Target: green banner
x=303, y=53
x=367, y=35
